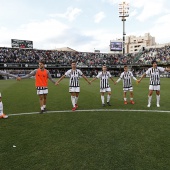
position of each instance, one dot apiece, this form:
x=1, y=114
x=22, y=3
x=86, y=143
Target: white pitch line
x=93, y=110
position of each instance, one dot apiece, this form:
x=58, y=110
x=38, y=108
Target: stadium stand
x=22, y=61
x=161, y=55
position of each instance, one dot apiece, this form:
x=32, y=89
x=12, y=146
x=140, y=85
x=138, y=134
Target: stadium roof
x=65, y=49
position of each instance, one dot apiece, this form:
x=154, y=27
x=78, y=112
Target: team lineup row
x=42, y=75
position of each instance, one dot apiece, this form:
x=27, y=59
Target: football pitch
x=117, y=137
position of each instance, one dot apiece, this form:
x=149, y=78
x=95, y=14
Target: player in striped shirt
x=74, y=87
x=104, y=75
x=2, y=115
x=154, y=85
x=127, y=84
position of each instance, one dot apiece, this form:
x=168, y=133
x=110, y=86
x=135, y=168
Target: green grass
x=83, y=140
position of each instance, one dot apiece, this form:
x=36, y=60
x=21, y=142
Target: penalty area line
x=92, y=110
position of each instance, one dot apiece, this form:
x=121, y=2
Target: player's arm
x=93, y=79
x=111, y=77
x=134, y=78
x=50, y=78
x=120, y=78
x=86, y=78
x=7, y=74
x=117, y=81
x=98, y=76
x=141, y=78
x=113, y=80
x=61, y=78
x=29, y=75
x=167, y=69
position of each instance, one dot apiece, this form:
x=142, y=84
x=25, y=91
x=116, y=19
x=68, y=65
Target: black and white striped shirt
x=74, y=77
x=126, y=77
x=154, y=74
x=104, y=79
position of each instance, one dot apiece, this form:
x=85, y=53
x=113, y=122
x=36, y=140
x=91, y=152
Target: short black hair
x=73, y=62
x=42, y=61
x=154, y=61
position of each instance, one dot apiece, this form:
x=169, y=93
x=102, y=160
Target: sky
x=83, y=25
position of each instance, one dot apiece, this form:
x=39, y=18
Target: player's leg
x=157, y=98
x=124, y=96
x=77, y=91
x=73, y=100
x=41, y=100
x=150, y=95
x=108, y=97
x=1, y=109
x=40, y=93
x=73, y=97
x=76, y=99
x=2, y=115
x=44, y=101
x=102, y=98
x=131, y=97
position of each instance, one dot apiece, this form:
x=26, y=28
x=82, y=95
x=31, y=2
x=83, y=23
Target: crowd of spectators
x=12, y=55
x=88, y=61
x=161, y=55
x=64, y=58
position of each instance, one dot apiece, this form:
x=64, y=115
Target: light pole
x=123, y=13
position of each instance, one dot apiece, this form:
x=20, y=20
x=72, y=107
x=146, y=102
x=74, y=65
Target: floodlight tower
x=123, y=13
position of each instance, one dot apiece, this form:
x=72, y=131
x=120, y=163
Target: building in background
x=133, y=44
